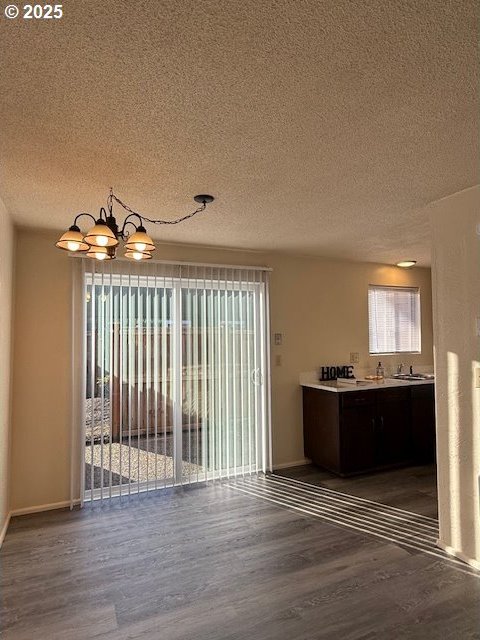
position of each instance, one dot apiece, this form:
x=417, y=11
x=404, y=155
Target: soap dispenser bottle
x=380, y=371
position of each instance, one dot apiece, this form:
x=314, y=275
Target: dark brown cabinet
x=394, y=432
x=357, y=431
x=423, y=423
x=358, y=439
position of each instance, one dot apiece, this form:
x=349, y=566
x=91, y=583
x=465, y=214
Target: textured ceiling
x=320, y=127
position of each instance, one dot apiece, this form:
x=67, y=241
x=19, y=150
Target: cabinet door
x=320, y=428
x=358, y=432
x=394, y=433
x=423, y=422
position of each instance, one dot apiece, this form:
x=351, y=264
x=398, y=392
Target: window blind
x=176, y=375
x=394, y=319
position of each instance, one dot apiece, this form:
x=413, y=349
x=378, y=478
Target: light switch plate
x=354, y=357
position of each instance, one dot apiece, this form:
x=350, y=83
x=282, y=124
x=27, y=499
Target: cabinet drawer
x=391, y=394
x=424, y=391
x=357, y=398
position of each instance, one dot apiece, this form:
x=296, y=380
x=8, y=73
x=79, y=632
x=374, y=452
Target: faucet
x=399, y=368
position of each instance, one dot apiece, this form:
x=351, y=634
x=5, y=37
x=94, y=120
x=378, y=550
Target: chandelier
x=102, y=240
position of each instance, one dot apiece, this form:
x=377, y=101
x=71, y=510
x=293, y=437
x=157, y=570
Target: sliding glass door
x=176, y=373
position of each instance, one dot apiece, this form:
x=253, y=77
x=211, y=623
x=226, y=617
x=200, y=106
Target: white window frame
x=415, y=290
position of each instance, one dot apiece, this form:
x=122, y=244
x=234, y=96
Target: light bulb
x=100, y=256
x=73, y=246
x=137, y=255
x=101, y=241
x=140, y=246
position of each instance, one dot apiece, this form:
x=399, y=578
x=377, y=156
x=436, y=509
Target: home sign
x=334, y=372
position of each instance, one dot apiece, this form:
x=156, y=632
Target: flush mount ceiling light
x=406, y=264
x=102, y=240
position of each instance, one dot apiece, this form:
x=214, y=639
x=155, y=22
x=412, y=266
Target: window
x=394, y=319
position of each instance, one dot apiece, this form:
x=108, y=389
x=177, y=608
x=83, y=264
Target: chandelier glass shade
x=101, y=235
x=72, y=240
x=99, y=253
x=140, y=241
x=138, y=255
x=102, y=240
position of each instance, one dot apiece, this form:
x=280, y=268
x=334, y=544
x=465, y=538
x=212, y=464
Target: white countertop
x=364, y=385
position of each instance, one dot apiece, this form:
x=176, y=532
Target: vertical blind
x=394, y=319
x=176, y=375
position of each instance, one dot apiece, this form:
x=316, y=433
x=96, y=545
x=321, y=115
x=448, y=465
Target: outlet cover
x=277, y=339
x=354, y=357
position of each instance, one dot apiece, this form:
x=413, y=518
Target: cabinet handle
x=381, y=422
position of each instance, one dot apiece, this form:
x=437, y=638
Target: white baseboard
x=3, y=532
x=295, y=463
x=42, y=507
x=458, y=554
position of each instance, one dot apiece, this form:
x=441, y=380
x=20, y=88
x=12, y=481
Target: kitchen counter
x=364, y=385
x=358, y=428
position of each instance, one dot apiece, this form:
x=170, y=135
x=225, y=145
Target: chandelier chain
x=201, y=208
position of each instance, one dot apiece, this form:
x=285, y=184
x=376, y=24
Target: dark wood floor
x=410, y=488
x=211, y=563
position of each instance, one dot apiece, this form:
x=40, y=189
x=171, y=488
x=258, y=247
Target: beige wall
x=6, y=277
x=320, y=307
x=456, y=271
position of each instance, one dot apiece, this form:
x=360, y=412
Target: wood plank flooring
x=410, y=488
x=208, y=562
x=405, y=528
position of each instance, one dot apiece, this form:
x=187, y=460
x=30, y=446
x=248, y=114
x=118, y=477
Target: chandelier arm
x=201, y=208
x=83, y=214
x=127, y=221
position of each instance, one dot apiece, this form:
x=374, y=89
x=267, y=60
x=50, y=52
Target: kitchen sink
x=413, y=376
